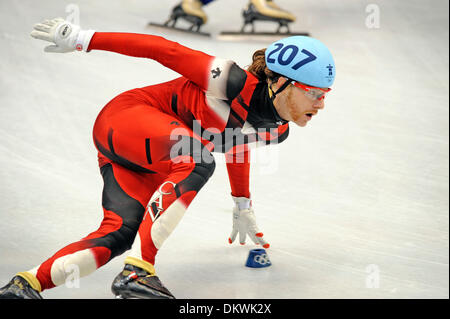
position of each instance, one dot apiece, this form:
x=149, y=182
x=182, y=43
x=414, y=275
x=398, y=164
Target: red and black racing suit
x=154, y=148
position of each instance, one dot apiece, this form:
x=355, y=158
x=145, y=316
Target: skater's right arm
x=220, y=78
x=187, y=62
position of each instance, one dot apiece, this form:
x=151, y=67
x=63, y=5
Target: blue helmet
x=302, y=59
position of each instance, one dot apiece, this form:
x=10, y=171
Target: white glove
x=244, y=223
x=66, y=37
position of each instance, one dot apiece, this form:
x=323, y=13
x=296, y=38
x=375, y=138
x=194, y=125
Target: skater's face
x=295, y=104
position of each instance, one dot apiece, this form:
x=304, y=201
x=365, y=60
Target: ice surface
x=363, y=189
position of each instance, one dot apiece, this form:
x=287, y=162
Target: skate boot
x=136, y=283
x=190, y=11
x=266, y=10
x=19, y=288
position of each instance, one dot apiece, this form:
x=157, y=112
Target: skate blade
x=126, y=297
x=139, y=296
x=166, y=27
x=257, y=36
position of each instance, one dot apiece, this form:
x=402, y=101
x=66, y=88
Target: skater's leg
x=122, y=216
x=164, y=211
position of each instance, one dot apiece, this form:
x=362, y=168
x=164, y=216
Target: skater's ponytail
x=259, y=68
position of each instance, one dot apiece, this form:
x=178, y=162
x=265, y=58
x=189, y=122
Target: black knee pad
x=205, y=168
x=120, y=240
x=204, y=164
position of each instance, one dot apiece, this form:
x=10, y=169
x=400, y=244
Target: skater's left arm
x=238, y=167
x=244, y=220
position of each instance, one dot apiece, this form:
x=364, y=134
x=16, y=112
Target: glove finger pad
x=40, y=35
